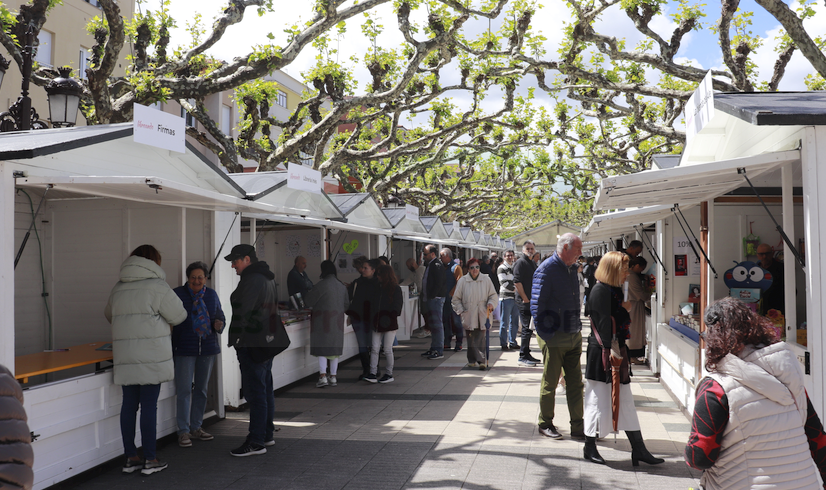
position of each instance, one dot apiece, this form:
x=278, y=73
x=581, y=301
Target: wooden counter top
x=49, y=362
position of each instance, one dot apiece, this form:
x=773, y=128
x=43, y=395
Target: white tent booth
x=756, y=144
x=409, y=238
x=639, y=224
x=92, y=195
x=297, y=228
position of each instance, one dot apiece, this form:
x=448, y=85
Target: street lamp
x=63, y=92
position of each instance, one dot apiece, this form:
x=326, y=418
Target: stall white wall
x=7, y=241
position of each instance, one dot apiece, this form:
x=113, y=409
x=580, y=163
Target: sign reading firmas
x=303, y=178
x=157, y=128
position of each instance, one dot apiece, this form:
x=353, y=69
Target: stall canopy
x=104, y=161
x=613, y=225
x=690, y=184
x=271, y=188
x=410, y=229
x=362, y=209
x=436, y=228
x=453, y=232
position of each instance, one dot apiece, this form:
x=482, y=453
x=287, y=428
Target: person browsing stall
x=195, y=344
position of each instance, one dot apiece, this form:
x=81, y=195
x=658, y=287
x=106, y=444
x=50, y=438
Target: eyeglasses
x=763, y=253
x=474, y=267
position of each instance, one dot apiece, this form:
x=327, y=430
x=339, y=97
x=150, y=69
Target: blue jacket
x=555, y=298
x=184, y=340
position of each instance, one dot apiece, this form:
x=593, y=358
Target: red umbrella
x=616, y=365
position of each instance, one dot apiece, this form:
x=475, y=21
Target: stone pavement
x=438, y=426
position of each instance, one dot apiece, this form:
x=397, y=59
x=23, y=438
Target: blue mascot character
x=748, y=275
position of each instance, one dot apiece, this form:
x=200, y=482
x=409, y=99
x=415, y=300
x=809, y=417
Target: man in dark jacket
x=297, y=280
x=433, y=294
x=523, y=271
x=253, y=301
x=555, y=308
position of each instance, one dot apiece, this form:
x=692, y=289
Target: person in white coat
x=142, y=308
x=753, y=424
x=474, y=300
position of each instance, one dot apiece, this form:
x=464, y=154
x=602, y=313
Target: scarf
x=199, y=315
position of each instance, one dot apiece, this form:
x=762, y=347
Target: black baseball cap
x=241, y=251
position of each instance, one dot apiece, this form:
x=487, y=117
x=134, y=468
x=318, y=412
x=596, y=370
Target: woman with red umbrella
x=609, y=404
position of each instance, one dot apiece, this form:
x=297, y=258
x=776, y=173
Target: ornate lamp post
x=63, y=92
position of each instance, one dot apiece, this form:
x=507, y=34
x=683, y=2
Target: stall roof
x=613, y=225
x=689, y=184
x=435, y=227
x=774, y=108
x=142, y=189
x=407, y=227
x=271, y=188
x=109, y=150
x=362, y=209
x=453, y=232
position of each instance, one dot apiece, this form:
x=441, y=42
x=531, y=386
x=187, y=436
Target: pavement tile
x=437, y=426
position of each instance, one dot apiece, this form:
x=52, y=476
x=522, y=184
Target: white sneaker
x=333, y=380
x=322, y=382
x=560, y=389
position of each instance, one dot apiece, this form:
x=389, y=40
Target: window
x=43, y=53
x=305, y=157
x=190, y=121
x=93, y=3
x=82, y=63
x=226, y=120
x=282, y=98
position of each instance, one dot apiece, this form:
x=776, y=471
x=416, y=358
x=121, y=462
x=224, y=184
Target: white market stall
x=765, y=138
x=97, y=195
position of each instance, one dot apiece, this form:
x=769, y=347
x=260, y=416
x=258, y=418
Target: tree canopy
x=474, y=116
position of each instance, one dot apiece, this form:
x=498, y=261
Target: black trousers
x=525, y=319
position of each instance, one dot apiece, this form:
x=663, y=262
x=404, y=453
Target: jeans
x=452, y=323
x=191, y=401
x=434, y=320
x=147, y=397
x=509, y=324
x=256, y=386
x=525, y=316
x=363, y=338
x=385, y=339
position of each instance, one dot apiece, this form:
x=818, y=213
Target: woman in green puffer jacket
x=142, y=308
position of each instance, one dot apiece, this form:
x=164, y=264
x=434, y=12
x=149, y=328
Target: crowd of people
x=163, y=334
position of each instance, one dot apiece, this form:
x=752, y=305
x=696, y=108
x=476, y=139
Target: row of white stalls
x=81, y=199
x=751, y=175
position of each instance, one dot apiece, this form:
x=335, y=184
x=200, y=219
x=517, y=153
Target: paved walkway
x=438, y=426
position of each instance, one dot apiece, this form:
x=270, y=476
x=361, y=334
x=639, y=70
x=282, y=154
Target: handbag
x=615, y=350
x=276, y=340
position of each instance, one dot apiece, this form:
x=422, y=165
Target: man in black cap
x=252, y=302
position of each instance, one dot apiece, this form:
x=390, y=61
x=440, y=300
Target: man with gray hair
x=555, y=309
x=450, y=319
x=523, y=271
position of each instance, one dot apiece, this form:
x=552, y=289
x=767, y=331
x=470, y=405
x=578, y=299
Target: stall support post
x=7, y=266
x=224, y=281
x=790, y=269
x=704, y=280
x=813, y=158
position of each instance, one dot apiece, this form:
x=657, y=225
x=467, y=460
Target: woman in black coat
x=610, y=320
x=389, y=304
x=362, y=311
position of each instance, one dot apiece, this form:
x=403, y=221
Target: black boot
x=590, y=453
x=638, y=450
